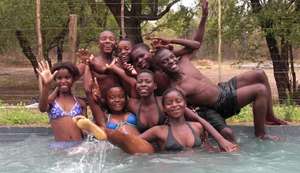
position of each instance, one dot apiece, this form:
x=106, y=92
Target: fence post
x=73, y=37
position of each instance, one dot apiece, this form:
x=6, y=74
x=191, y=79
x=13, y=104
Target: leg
x=258, y=95
x=259, y=77
x=218, y=122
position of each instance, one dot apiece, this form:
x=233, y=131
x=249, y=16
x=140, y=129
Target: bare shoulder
x=195, y=125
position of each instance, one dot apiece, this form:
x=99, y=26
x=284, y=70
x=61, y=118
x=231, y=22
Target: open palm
x=45, y=73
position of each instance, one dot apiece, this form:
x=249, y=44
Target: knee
x=227, y=133
x=260, y=76
x=261, y=89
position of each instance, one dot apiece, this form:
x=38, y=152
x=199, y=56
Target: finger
x=54, y=73
x=38, y=71
x=96, y=82
x=47, y=65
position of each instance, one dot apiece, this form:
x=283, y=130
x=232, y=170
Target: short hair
x=167, y=91
x=146, y=71
x=158, y=53
x=140, y=45
x=126, y=39
x=104, y=92
x=73, y=70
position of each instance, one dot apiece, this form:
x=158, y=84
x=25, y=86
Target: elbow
x=42, y=108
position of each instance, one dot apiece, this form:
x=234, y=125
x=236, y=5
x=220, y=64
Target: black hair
x=158, y=53
x=126, y=39
x=146, y=71
x=167, y=91
x=140, y=45
x=73, y=70
x=104, y=92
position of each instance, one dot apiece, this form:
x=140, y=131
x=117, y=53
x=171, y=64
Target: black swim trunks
x=225, y=107
x=227, y=104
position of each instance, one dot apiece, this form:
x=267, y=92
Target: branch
x=158, y=16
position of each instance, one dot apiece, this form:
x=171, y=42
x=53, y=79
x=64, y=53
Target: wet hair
x=167, y=91
x=158, y=54
x=73, y=70
x=106, y=31
x=126, y=39
x=146, y=71
x=140, y=45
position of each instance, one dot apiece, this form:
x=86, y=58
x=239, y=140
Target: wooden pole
x=38, y=30
x=73, y=37
x=220, y=41
x=122, y=19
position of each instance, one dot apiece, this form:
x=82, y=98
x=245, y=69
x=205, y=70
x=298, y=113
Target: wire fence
x=18, y=82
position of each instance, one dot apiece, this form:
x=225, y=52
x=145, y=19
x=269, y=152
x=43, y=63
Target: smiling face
x=174, y=104
x=145, y=84
x=64, y=80
x=141, y=58
x=115, y=99
x=167, y=61
x=107, y=41
x=124, y=49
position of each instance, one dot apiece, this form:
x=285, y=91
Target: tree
x=138, y=11
x=278, y=20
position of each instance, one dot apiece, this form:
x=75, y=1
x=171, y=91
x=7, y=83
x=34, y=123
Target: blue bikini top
x=56, y=111
x=131, y=120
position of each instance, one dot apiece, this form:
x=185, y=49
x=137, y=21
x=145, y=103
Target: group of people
x=152, y=99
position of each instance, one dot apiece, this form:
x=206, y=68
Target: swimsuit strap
x=161, y=115
x=171, y=143
x=197, y=140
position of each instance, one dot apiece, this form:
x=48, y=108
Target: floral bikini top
x=56, y=111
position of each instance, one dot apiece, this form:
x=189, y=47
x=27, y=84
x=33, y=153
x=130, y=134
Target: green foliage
x=289, y=112
x=19, y=115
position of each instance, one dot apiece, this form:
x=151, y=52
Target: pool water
x=32, y=154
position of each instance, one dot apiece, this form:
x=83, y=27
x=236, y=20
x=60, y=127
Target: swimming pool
x=27, y=151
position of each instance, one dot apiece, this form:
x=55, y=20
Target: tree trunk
x=27, y=50
x=133, y=31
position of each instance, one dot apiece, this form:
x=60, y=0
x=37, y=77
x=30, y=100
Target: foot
x=270, y=137
x=275, y=121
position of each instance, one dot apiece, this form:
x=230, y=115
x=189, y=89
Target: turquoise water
x=32, y=155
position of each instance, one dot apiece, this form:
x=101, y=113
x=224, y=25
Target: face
x=174, y=104
x=168, y=61
x=64, y=80
x=115, y=99
x=140, y=58
x=145, y=84
x=107, y=41
x=124, y=48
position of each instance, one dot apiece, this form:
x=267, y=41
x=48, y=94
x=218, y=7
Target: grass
x=20, y=115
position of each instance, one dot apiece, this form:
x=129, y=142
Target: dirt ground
x=19, y=84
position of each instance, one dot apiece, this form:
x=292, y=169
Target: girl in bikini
x=62, y=106
x=178, y=134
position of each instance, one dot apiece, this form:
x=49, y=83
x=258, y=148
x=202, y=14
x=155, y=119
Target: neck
x=148, y=100
x=175, y=75
x=177, y=121
x=117, y=112
x=65, y=94
x=107, y=56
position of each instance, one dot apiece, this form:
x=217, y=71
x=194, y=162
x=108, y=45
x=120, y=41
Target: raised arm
x=123, y=75
x=97, y=112
x=223, y=143
x=45, y=79
x=200, y=31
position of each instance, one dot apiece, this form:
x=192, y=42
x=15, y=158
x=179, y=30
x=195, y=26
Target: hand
x=109, y=66
x=84, y=55
x=129, y=68
x=95, y=88
x=204, y=8
x=45, y=73
x=227, y=146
